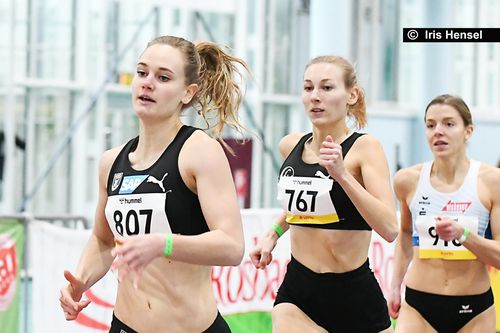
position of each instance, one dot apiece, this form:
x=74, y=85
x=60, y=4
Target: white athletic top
x=463, y=205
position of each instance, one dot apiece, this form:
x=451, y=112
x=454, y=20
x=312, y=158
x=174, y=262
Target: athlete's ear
x=189, y=93
x=353, y=95
x=468, y=132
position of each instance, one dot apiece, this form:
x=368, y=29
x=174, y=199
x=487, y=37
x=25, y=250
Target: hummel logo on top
x=152, y=179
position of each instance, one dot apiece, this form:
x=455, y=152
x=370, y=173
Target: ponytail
x=219, y=91
x=358, y=110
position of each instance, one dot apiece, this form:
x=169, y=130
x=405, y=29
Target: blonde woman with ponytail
x=167, y=208
x=334, y=188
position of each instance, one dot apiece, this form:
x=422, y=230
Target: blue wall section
x=484, y=144
x=408, y=133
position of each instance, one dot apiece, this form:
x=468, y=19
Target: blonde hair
x=214, y=71
x=358, y=110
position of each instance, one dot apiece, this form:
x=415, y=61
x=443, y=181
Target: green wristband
x=278, y=230
x=464, y=235
x=169, y=244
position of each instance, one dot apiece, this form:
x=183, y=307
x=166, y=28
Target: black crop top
x=312, y=198
x=155, y=199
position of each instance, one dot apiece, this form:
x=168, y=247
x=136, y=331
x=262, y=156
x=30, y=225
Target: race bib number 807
x=137, y=214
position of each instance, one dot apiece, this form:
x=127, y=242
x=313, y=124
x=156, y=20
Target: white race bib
x=431, y=246
x=137, y=214
x=307, y=199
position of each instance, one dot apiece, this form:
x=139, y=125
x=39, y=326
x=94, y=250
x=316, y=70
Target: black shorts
x=117, y=326
x=218, y=326
x=448, y=314
x=350, y=302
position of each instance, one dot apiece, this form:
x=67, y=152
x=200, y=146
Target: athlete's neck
x=153, y=140
x=338, y=134
x=450, y=170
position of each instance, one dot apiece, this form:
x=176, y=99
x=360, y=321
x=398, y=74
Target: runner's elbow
x=236, y=254
x=391, y=234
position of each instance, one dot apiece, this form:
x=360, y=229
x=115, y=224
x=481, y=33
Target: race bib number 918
x=433, y=247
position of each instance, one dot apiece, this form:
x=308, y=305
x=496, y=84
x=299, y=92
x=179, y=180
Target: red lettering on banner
x=247, y=265
x=88, y=321
x=8, y=270
x=272, y=281
x=216, y=283
x=389, y=264
x=238, y=283
x=381, y=265
x=97, y=300
x=245, y=283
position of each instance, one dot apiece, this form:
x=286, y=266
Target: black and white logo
x=117, y=178
x=287, y=172
x=465, y=309
x=321, y=174
x=152, y=179
x=424, y=200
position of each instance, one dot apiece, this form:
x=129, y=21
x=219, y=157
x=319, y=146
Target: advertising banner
x=244, y=294
x=11, y=254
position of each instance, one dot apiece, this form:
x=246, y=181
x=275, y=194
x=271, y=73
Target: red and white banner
x=243, y=288
x=11, y=254
x=237, y=289
x=54, y=249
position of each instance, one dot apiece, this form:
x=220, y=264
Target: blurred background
x=66, y=67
